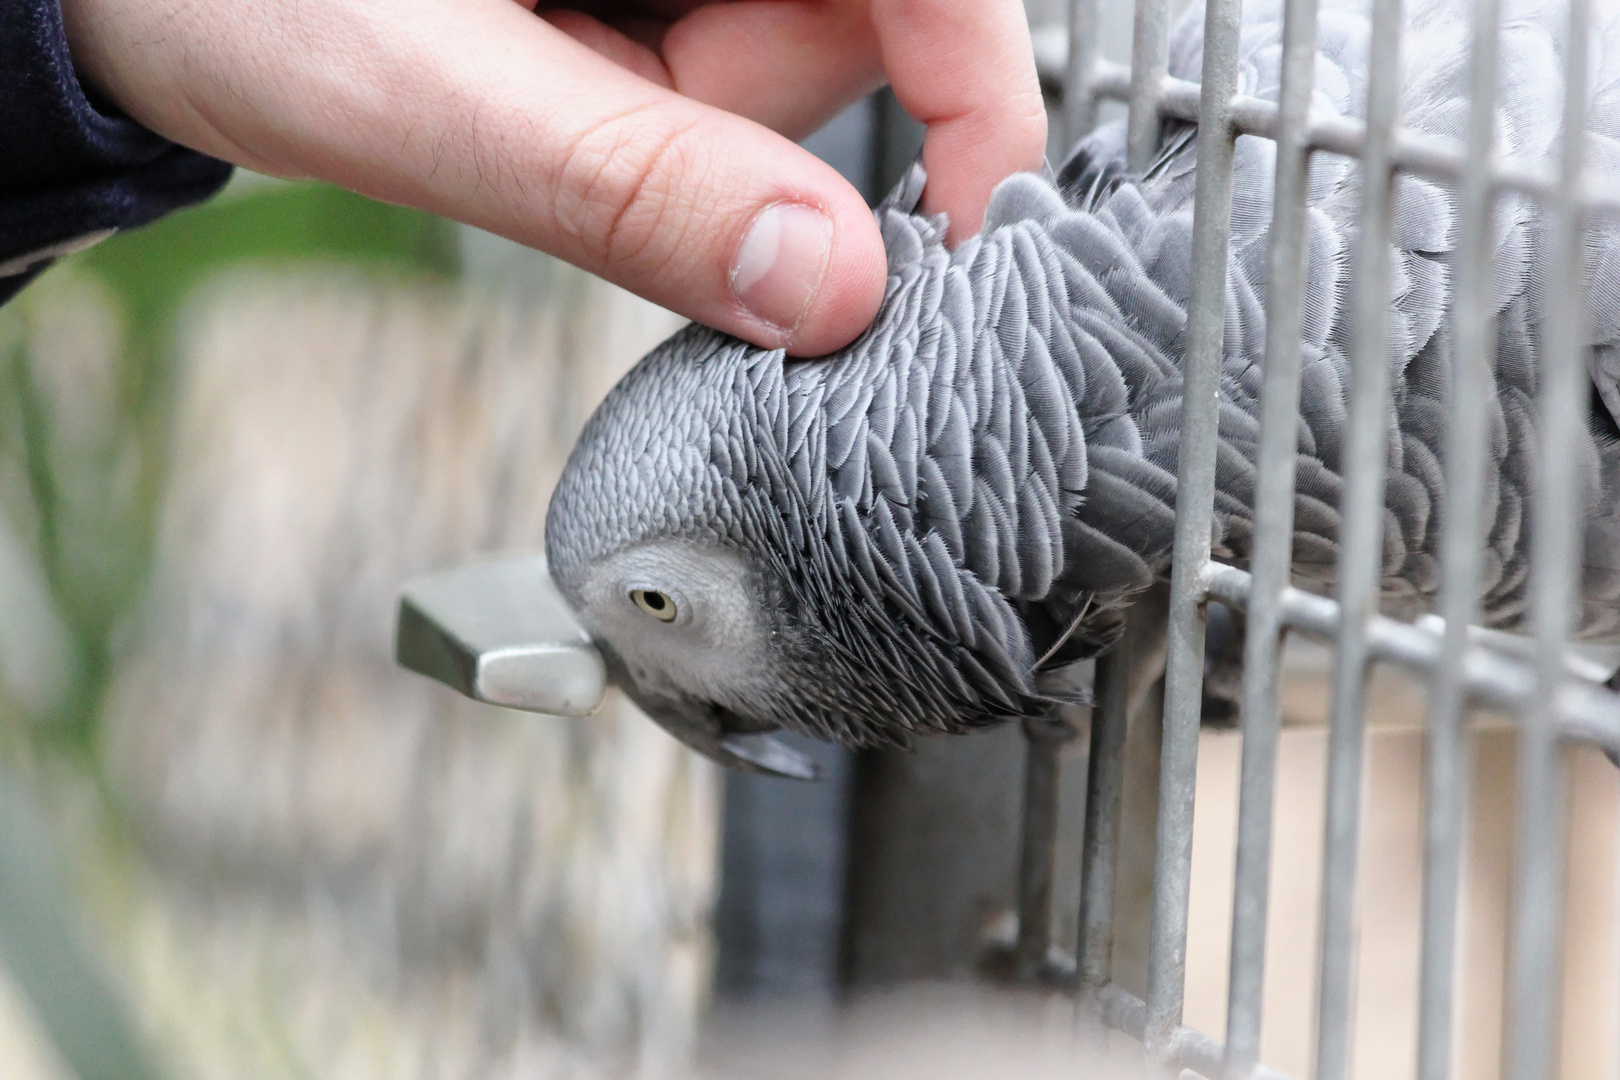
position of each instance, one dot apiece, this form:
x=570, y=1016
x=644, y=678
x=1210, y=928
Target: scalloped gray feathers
x=972, y=492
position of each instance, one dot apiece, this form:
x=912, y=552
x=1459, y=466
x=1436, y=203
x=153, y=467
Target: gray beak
x=498, y=631
x=763, y=754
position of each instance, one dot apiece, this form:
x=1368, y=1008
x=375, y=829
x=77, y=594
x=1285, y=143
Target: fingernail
x=781, y=262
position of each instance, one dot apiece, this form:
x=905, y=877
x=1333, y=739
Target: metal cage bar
x=1448, y=747
x=1195, y=500
x=1554, y=697
x=1534, y=976
x=1433, y=158
x=1105, y=791
x=1150, y=60
x=1079, y=80
x=1037, y=862
x=1361, y=549
x=1273, y=539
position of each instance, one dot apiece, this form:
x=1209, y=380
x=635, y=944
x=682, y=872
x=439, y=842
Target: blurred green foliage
x=42, y=952
x=152, y=270
x=92, y=513
x=83, y=452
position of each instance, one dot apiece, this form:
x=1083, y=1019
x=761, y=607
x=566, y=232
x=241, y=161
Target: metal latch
x=498, y=631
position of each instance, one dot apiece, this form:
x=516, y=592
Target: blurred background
x=236, y=841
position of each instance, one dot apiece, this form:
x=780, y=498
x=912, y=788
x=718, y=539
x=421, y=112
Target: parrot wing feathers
x=1002, y=443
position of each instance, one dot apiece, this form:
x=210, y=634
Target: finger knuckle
x=624, y=185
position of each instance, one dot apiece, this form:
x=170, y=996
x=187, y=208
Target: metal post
x=1104, y=798
x=1448, y=762
x=1361, y=547
x=1538, y=893
x=1195, y=472
x=1037, y=860
x=1273, y=540
x=1079, y=99
x=1150, y=58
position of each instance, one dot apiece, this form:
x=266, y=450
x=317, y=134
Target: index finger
x=966, y=71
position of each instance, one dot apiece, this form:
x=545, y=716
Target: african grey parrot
x=905, y=536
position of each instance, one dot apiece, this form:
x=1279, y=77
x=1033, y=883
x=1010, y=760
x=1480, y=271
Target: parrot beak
x=498, y=631
x=750, y=752
x=763, y=754
x=713, y=734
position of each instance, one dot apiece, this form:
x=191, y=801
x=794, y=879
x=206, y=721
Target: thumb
x=478, y=110
x=712, y=215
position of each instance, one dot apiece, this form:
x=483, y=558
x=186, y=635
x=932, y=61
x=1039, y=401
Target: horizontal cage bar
x=1434, y=159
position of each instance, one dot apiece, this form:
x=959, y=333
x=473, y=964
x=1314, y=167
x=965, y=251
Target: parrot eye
x=659, y=605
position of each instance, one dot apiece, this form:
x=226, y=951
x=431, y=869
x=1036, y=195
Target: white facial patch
x=715, y=644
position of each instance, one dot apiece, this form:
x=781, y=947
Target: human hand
x=648, y=143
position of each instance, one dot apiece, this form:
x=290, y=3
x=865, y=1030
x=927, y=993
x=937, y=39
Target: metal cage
x=1538, y=686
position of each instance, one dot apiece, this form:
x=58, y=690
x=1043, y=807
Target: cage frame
x=1550, y=700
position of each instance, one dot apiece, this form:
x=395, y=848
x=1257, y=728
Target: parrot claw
x=763, y=754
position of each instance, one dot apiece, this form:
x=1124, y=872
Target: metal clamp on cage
x=499, y=632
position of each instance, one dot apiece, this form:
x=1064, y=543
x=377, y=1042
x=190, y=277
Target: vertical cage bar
x=1105, y=761
x=1038, y=848
x=1150, y=62
x=1273, y=540
x=1195, y=498
x=1613, y=1070
x=1448, y=758
x=1104, y=800
x=1534, y=983
x=1079, y=101
x=1360, y=567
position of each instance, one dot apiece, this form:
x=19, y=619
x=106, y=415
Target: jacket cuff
x=72, y=173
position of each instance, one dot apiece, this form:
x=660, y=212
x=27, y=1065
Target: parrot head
x=732, y=593
x=688, y=550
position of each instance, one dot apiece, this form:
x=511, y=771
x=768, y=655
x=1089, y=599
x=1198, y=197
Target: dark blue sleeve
x=70, y=172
